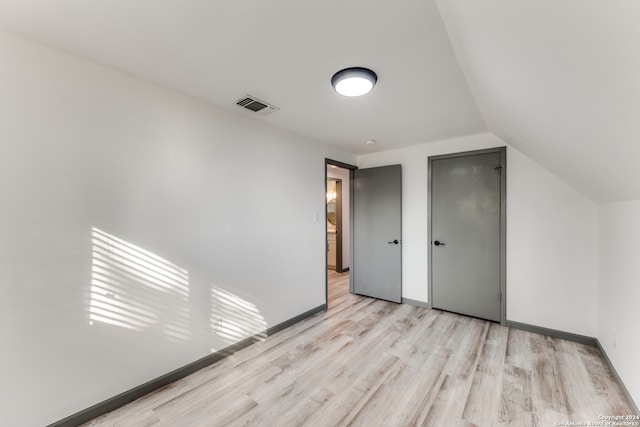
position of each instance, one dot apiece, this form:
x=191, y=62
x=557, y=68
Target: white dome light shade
x=355, y=81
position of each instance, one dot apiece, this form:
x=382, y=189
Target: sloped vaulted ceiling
x=559, y=80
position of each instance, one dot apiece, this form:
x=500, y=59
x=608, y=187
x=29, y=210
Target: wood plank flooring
x=366, y=362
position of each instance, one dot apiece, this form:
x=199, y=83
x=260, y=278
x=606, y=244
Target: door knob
x=395, y=242
x=439, y=243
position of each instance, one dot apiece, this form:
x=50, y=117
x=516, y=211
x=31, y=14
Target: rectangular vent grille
x=254, y=104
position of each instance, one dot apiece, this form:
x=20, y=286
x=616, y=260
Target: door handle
x=395, y=242
x=439, y=243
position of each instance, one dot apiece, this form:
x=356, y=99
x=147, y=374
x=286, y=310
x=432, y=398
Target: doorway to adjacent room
x=338, y=230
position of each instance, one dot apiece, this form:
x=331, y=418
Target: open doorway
x=338, y=230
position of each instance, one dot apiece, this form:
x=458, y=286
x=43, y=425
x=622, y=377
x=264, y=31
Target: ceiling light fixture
x=354, y=81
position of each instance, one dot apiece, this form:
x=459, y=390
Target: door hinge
x=499, y=169
x=500, y=296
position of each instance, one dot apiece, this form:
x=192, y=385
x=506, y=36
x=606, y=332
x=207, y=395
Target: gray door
x=377, y=223
x=466, y=206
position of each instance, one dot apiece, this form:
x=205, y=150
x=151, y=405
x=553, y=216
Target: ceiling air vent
x=254, y=104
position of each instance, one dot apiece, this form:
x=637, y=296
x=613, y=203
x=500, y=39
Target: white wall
x=343, y=174
x=618, y=289
x=551, y=250
x=84, y=147
x=551, y=236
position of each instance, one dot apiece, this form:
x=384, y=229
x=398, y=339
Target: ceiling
x=283, y=52
x=557, y=79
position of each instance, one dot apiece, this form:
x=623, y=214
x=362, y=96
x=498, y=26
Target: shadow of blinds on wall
x=135, y=289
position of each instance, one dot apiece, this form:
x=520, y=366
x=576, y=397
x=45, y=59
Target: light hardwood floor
x=367, y=362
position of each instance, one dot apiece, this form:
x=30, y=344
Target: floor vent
x=257, y=106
